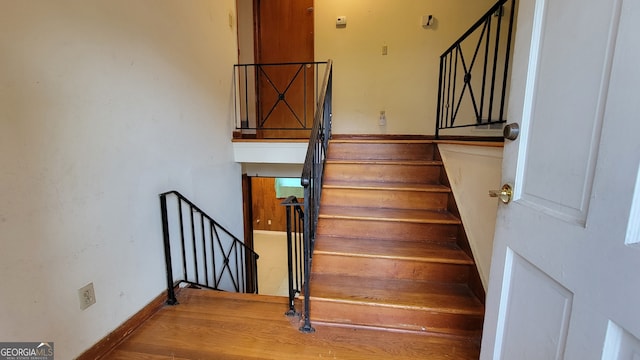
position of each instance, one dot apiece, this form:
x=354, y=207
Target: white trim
x=270, y=152
x=633, y=227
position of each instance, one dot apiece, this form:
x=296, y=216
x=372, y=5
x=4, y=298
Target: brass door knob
x=503, y=194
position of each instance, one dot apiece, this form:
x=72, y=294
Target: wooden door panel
x=284, y=31
x=284, y=34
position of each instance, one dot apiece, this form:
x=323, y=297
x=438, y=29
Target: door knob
x=511, y=131
x=503, y=194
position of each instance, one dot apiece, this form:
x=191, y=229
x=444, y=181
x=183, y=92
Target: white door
x=565, y=278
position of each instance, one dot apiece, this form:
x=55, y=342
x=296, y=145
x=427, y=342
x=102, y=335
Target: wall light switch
x=382, y=121
x=426, y=20
x=87, y=296
x=341, y=21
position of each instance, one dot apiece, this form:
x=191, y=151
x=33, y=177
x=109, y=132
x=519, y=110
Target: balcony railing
x=474, y=72
x=276, y=100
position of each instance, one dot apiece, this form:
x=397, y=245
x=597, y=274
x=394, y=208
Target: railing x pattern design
x=474, y=72
x=206, y=254
x=277, y=96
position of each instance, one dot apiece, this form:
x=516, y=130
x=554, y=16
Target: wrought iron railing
x=295, y=253
x=277, y=97
x=207, y=254
x=311, y=180
x=474, y=72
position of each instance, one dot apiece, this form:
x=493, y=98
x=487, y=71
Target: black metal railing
x=311, y=180
x=207, y=254
x=474, y=72
x=279, y=96
x=295, y=253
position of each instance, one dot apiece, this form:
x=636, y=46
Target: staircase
x=390, y=250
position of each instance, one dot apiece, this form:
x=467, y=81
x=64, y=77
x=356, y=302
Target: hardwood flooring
x=215, y=325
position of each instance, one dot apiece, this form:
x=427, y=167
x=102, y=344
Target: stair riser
x=401, y=173
x=387, y=230
x=395, y=318
x=389, y=268
x=381, y=151
x=384, y=198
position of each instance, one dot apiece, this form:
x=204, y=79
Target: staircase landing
x=218, y=325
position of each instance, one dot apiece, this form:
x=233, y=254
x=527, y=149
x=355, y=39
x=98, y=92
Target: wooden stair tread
x=371, y=185
x=387, y=230
x=385, y=162
x=425, y=251
x=384, y=214
x=382, y=141
x=396, y=293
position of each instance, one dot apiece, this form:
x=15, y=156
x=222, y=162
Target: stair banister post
x=292, y=309
x=171, y=295
x=307, y=328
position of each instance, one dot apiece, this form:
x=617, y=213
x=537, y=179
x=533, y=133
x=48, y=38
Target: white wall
x=247, y=110
x=404, y=83
x=103, y=105
x=472, y=172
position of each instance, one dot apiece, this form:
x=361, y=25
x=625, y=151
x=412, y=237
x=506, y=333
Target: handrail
x=276, y=96
x=212, y=257
x=311, y=180
x=481, y=69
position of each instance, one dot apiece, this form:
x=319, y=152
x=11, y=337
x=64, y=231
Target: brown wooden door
x=284, y=34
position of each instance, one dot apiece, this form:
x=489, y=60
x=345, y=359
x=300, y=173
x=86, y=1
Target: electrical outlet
x=382, y=121
x=87, y=296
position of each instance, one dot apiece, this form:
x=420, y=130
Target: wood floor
x=215, y=325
